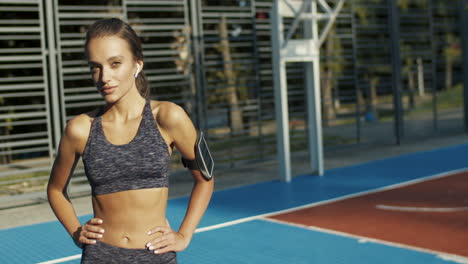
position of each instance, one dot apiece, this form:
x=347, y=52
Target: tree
x=451, y=51
x=230, y=77
x=5, y=131
x=414, y=42
x=184, y=61
x=452, y=54
x=332, y=67
x=366, y=16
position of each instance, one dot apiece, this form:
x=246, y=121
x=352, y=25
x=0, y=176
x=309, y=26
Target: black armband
x=203, y=160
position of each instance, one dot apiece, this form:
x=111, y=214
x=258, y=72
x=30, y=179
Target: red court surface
x=431, y=214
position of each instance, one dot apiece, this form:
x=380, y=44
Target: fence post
x=54, y=88
x=197, y=50
x=394, y=29
x=463, y=20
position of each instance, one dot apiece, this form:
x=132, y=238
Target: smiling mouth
x=107, y=89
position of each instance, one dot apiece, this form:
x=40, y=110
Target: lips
x=108, y=89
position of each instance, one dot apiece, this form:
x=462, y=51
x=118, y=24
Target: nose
x=105, y=75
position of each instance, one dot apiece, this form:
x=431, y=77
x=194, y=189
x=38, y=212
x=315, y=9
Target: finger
x=94, y=229
x=161, y=229
x=84, y=240
x=88, y=235
x=95, y=221
x=163, y=250
x=157, y=243
x=169, y=240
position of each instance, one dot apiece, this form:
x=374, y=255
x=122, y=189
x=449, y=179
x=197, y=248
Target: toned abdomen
x=128, y=216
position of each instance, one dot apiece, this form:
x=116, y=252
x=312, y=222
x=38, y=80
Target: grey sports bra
x=141, y=163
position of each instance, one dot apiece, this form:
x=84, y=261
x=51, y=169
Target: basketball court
x=407, y=209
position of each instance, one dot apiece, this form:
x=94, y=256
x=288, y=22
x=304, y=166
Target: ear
x=139, y=67
x=137, y=70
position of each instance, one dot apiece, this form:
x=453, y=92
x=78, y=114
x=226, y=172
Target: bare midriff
x=128, y=216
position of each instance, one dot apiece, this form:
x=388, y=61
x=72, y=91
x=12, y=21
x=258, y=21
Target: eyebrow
x=118, y=57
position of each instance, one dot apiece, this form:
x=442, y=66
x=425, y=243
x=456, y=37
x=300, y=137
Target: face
x=113, y=67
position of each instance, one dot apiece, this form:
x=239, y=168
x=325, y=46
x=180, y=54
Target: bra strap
x=148, y=112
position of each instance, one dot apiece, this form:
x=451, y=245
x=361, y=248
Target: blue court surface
x=235, y=229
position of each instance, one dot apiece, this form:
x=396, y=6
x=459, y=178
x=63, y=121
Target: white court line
x=364, y=239
x=358, y=194
x=421, y=209
x=60, y=260
x=261, y=216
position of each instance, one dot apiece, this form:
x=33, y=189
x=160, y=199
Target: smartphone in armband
x=203, y=160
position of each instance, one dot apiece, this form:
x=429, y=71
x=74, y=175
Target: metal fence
x=25, y=123
x=214, y=59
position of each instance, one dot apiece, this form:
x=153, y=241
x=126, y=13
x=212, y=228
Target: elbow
x=54, y=193
x=51, y=193
x=49, y=190
x=199, y=178
x=207, y=185
x=211, y=183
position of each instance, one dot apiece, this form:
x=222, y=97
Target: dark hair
x=117, y=27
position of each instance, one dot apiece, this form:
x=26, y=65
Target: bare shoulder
x=174, y=122
x=169, y=114
x=77, y=130
x=76, y=126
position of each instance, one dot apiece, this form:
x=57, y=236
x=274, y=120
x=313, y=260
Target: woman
x=126, y=148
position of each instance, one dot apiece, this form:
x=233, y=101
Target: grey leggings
x=105, y=253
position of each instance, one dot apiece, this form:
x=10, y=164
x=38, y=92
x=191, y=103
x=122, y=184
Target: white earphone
x=138, y=70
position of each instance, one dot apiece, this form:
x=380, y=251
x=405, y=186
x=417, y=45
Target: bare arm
x=67, y=157
x=178, y=125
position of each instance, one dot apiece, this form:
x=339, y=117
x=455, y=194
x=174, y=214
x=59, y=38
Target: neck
x=127, y=108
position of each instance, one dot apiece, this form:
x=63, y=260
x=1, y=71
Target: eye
x=93, y=68
x=116, y=64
